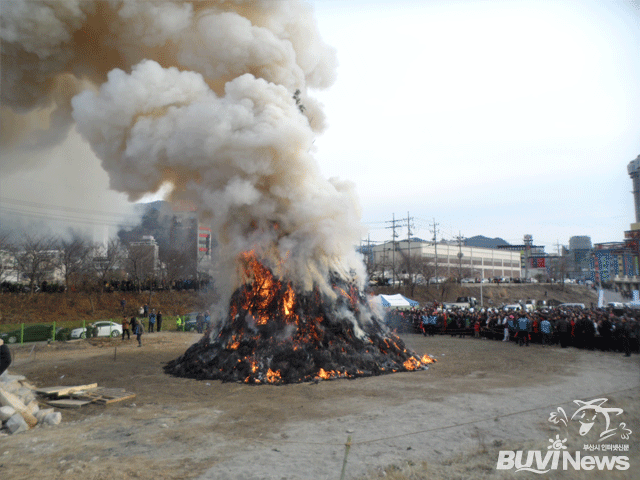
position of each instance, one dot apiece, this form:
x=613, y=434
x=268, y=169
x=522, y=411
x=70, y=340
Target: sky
x=494, y=118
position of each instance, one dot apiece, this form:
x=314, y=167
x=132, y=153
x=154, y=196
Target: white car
x=512, y=308
x=105, y=329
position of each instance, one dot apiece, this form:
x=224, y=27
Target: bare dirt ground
x=447, y=422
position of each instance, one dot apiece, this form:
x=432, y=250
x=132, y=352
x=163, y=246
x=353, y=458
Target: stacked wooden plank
x=80, y=395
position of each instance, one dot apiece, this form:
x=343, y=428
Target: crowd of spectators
x=602, y=329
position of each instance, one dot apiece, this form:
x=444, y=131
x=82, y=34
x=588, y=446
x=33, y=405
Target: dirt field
x=448, y=422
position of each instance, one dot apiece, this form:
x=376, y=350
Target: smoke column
x=199, y=95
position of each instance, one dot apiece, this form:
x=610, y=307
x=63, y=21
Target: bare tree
x=73, y=260
x=7, y=258
x=177, y=265
x=140, y=264
x=36, y=258
x=106, y=261
x=416, y=269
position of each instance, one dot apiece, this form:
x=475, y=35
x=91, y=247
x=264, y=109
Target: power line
x=42, y=206
x=66, y=218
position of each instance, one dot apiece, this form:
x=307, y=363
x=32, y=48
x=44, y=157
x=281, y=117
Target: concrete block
x=25, y=394
x=6, y=413
x=53, y=418
x=16, y=424
x=43, y=412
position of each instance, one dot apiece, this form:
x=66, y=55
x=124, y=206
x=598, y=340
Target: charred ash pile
x=274, y=335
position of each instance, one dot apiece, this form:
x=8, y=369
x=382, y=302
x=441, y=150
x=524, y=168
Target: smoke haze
x=199, y=95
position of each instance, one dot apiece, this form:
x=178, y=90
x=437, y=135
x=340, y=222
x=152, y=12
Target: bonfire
x=274, y=335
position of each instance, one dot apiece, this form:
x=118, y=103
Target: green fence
x=61, y=331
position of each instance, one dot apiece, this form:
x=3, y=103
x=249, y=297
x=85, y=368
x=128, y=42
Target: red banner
x=538, y=262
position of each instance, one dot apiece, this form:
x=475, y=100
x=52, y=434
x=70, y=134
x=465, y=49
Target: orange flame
x=273, y=377
x=288, y=299
x=263, y=289
x=412, y=363
x=427, y=359
x=327, y=375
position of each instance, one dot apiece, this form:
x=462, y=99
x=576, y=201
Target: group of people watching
x=595, y=328
x=135, y=325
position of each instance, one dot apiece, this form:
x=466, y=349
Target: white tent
x=395, y=301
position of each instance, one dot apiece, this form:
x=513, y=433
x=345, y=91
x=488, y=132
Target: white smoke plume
x=199, y=95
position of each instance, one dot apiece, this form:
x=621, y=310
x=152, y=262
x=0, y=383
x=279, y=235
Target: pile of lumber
x=80, y=395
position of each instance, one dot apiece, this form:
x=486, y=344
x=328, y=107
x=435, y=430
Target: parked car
x=512, y=308
x=191, y=322
x=571, y=305
x=32, y=333
x=105, y=329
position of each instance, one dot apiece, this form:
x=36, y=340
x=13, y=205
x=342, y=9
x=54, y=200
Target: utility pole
x=528, y=242
x=460, y=255
x=435, y=244
x=394, y=235
x=409, y=248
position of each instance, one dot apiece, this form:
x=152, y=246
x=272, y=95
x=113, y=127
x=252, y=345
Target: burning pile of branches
x=274, y=335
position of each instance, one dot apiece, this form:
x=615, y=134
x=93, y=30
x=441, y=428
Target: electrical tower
x=435, y=232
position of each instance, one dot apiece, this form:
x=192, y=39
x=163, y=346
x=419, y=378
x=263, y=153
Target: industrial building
x=445, y=260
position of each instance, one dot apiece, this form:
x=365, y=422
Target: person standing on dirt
x=523, y=330
x=138, y=330
x=5, y=357
x=545, y=328
x=123, y=302
x=199, y=322
x=125, y=328
x=562, y=327
x=152, y=320
x=625, y=334
x=505, y=326
x=159, y=320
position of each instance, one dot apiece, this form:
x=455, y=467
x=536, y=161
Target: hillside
x=496, y=295
x=47, y=307
x=58, y=307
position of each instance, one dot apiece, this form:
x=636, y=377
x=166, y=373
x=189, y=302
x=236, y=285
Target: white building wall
x=476, y=262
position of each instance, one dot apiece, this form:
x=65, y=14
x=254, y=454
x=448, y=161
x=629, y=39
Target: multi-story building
x=533, y=259
x=444, y=259
x=143, y=258
x=611, y=262
x=9, y=271
x=579, y=257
